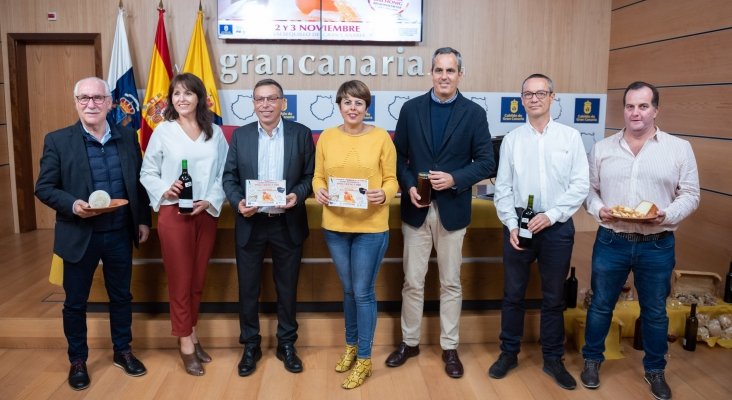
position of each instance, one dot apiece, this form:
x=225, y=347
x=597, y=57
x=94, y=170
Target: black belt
x=269, y=215
x=639, y=237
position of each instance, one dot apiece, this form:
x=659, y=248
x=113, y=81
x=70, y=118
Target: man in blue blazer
x=445, y=135
x=77, y=160
x=270, y=149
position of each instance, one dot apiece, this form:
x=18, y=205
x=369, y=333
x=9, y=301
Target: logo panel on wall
x=586, y=110
x=290, y=111
x=512, y=110
x=370, y=113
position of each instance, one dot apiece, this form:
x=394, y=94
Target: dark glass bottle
x=524, y=234
x=185, y=199
x=638, y=335
x=692, y=325
x=570, y=290
x=728, y=286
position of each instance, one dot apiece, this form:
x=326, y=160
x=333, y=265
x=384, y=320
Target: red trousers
x=187, y=243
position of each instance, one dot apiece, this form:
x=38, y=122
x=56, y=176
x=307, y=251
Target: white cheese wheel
x=646, y=209
x=99, y=199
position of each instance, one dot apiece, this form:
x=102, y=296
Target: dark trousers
x=552, y=247
x=114, y=249
x=286, y=257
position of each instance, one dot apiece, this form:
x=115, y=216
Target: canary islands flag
x=121, y=80
x=198, y=63
x=156, y=91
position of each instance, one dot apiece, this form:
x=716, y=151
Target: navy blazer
x=65, y=177
x=466, y=154
x=241, y=164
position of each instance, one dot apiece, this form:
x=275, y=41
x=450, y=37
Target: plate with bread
x=645, y=211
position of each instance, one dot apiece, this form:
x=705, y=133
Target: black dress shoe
x=249, y=359
x=129, y=363
x=78, y=376
x=556, y=369
x=287, y=354
x=453, y=366
x=401, y=354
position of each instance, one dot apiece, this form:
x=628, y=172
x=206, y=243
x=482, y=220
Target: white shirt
x=663, y=172
x=161, y=165
x=551, y=165
x=271, y=159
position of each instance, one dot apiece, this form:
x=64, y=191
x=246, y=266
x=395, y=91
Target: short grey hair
x=107, y=91
x=448, y=50
x=540, y=76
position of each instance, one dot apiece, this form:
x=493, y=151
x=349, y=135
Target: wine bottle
x=638, y=335
x=728, y=286
x=570, y=290
x=692, y=325
x=185, y=199
x=524, y=234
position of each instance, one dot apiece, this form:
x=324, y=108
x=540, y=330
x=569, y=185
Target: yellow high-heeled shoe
x=360, y=372
x=347, y=358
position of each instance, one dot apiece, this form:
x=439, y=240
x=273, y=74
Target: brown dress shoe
x=400, y=355
x=453, y=366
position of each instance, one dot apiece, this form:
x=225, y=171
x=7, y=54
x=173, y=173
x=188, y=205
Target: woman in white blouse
x=186, y=240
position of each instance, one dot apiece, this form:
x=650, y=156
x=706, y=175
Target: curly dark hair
x=204, y=116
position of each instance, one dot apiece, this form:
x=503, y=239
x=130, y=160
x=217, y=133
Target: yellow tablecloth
x=626, y=312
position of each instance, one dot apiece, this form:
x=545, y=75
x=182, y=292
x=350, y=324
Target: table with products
x=623, y=324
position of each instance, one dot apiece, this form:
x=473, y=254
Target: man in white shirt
x=547, y=160
x=639, y=163
x=272, y=148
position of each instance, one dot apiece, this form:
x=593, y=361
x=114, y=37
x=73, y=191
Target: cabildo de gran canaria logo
x=512, y=110
x=590, y=111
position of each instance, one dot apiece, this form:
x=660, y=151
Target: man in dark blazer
x=269, y=149
x=446, y=135
x=77, y=160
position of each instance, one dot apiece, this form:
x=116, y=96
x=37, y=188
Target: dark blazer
x=65, y=177
x=241, y=164
x=466, y=154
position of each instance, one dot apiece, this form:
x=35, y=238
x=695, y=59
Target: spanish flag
x=198, y=63
x=156, y=91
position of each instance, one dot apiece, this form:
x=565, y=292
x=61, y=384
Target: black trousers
x=552, y=247
x=286, y=257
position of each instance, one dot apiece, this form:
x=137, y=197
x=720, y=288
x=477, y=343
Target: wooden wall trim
x=700, y=59
x=655, y=20
x=18, y=79
x=618, y=4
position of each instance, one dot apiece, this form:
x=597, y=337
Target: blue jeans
x=552, y=248
x=613, y=257
x=114, y=249
x=357, y=257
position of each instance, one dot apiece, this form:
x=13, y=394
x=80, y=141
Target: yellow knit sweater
x=371, y=156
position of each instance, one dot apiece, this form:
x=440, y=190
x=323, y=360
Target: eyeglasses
x=541, y=95
x=84, y=100
x=262, y=100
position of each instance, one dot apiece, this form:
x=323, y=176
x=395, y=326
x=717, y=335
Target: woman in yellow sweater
x=356, y=223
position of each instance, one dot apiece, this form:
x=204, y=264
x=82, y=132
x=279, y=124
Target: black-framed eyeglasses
x=84, y=100
x=541, y=94
x=270, y=99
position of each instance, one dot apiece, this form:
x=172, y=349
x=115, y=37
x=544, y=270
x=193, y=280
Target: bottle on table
x=690, y=330
x=185, y=199
x=638, y=334
x=524, y=235
x=570, y=290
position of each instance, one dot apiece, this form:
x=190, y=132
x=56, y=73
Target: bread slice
x=646, y=209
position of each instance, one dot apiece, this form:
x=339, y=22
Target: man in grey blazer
x=77, y=160
x=269, y=149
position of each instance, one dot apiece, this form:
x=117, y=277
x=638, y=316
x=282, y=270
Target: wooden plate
x=640, y=219
x=113, y=205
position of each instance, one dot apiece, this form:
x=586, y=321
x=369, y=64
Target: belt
x=269, y=215
x=639, y=237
